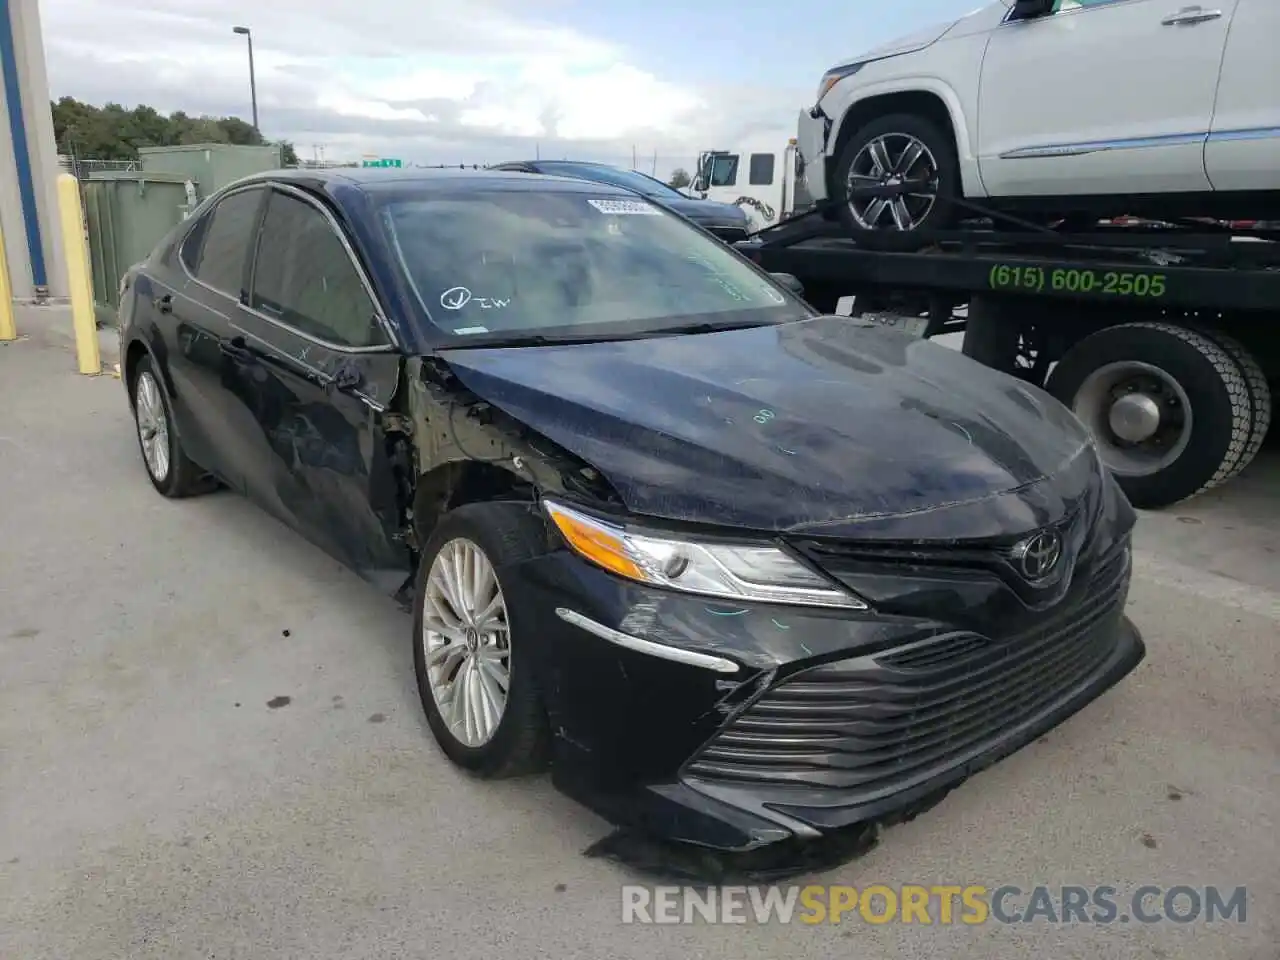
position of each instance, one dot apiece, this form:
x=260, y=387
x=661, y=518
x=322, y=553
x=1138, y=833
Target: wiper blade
x=522, y=340
x=707, y=327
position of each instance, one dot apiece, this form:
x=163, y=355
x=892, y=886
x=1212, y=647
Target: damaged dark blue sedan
x=740, y=573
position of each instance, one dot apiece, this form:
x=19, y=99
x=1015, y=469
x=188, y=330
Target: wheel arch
x=135, y=350
x=924, y=96
x=454, y=483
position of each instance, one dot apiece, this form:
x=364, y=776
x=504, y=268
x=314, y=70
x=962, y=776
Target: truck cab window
x=760, y=170
x=723, y=170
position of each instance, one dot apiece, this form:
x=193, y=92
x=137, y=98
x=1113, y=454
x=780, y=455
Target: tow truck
x=1162, y=337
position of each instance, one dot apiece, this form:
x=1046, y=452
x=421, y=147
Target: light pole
x=253, y=82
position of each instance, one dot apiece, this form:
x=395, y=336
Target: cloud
x=428, y=81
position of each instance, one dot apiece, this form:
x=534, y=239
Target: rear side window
x=305, y=278
x=760, y=172
x=216, y=249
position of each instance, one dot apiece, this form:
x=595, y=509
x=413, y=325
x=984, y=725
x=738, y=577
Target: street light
x=253, y=83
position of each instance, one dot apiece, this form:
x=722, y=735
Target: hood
x=824, y=425
x=910, y=43
x=705, y=211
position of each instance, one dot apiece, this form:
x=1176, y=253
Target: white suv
x=1056, y=109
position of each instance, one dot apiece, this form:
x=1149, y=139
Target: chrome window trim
x=1061, y=13
x=1050, y=151
x=391, y=346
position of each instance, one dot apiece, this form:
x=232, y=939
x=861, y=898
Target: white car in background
x=1056, y=109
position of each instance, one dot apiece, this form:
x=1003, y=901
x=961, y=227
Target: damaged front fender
x=465, y=450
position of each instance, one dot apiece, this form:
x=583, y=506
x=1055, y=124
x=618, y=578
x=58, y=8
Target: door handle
x=163, y=303
x=236, y=350
x=1190, y=16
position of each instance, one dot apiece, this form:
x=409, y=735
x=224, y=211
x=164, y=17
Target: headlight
x=731, y=571
x=834, y=76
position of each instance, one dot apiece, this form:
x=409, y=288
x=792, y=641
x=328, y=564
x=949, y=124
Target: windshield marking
x=623, y=207
x=455, y=298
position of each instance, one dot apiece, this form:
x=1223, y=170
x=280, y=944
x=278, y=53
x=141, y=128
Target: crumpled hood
x=706, y=211
x=813, y=425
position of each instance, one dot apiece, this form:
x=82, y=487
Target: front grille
x=872, y=725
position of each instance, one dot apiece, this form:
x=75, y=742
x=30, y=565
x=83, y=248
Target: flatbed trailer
x=1163, y=338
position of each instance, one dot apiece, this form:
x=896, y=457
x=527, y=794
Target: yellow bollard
x=79, y=281
x=8, y=329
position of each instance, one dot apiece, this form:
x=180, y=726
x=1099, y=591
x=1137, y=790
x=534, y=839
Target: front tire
x=895, y=153
x=472, y=654
x=1170, y=410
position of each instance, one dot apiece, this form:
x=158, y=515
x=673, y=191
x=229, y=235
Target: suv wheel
x=897, y=174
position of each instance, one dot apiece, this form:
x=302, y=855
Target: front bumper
x=812, y=130
x=833, y=719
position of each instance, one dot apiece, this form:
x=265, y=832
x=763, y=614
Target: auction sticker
x=620, y=207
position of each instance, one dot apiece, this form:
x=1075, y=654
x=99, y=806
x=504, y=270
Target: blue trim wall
x=21, y=153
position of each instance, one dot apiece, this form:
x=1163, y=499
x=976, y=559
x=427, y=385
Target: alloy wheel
x=892, y=183
x=153, y=426
x=466, y=637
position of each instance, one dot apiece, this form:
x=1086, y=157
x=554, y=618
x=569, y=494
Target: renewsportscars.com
x=934, y=904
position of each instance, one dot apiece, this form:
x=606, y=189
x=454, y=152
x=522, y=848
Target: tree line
x=116, y=132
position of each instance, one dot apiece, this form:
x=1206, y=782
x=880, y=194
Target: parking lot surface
x=211, y=747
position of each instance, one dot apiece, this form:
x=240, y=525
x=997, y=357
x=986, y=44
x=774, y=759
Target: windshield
x=519, y=265
x=630, y=179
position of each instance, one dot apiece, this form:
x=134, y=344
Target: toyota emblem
x=1037, y=556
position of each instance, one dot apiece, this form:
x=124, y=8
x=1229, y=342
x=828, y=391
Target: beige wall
x=24, y=16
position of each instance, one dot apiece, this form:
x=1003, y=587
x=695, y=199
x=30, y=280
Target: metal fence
x=82, y=168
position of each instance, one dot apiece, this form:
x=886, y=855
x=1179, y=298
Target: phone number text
x=1072, y=280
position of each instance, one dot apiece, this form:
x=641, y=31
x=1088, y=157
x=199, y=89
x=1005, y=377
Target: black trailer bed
x=1182, y=268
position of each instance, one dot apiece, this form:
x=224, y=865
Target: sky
x=480, y=81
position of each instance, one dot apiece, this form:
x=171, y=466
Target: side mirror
x=1031, y=9
x=790, y=281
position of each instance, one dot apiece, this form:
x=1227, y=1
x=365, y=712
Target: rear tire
x=1260, y=397
x=1197, y=394
x=170, y=470
x=936, y=163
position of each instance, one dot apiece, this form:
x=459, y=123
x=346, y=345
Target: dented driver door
x=322, y=371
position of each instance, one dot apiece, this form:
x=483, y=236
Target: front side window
x=305, y=278
x=217, y=248
x=519, y=264
x=722, y=170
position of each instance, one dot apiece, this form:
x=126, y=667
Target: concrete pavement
x=211, y=746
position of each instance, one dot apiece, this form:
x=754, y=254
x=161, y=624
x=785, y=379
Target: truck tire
x=936, y=162
x=1168, y=407
x=1260, y=397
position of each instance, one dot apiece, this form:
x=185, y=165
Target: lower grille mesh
x=870, y=724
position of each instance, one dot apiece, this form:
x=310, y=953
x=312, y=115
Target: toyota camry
x=739, y=573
